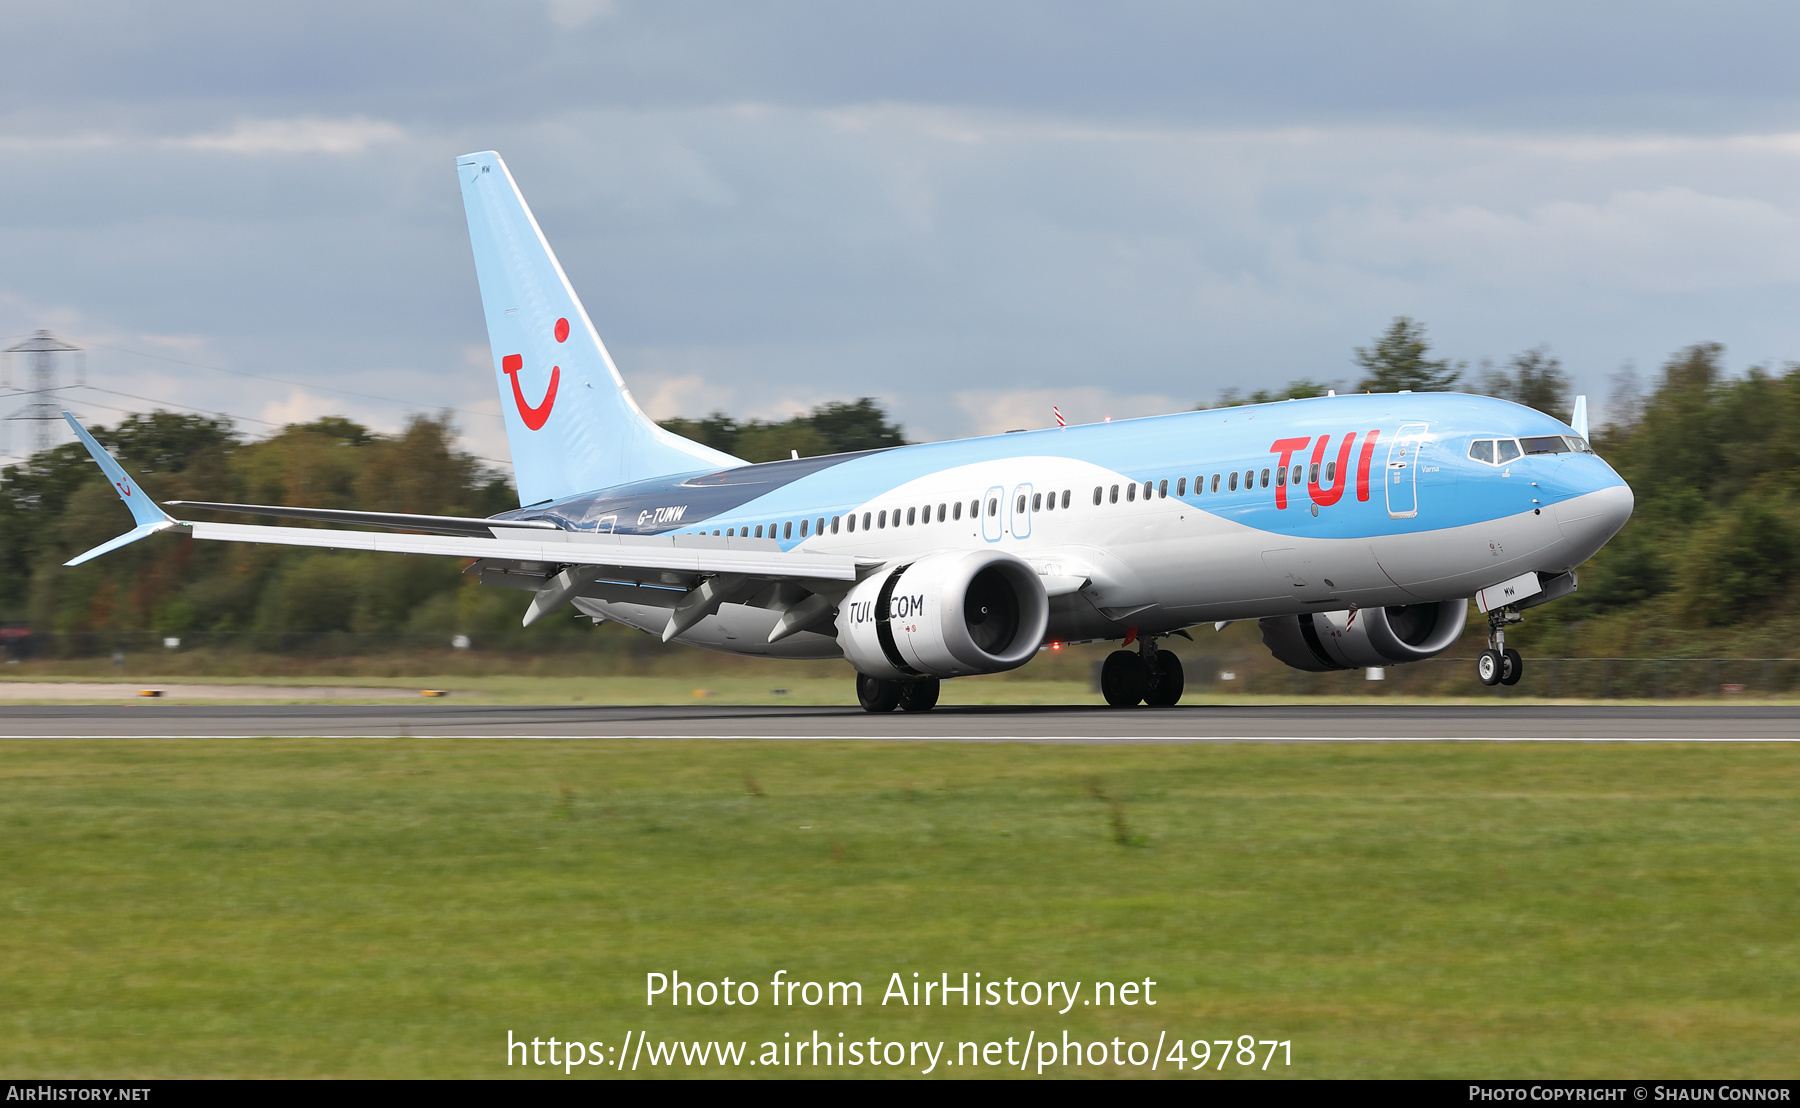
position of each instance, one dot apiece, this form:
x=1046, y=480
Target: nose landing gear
x=1499, y=664
x=1149, y=675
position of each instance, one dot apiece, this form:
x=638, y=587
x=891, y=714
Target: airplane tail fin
x=570, y=421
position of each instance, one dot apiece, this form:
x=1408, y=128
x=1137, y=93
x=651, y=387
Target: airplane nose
x=1590, y=519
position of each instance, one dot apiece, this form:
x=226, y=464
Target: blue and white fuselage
x=1172, y=520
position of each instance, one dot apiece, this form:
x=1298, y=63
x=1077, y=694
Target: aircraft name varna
x=914, y=990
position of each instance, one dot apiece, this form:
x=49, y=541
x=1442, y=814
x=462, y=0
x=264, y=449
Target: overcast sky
x=970, y=210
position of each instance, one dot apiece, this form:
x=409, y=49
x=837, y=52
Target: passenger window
x=993, y=505
x=802, y=528
x=1037, y=501
x=865, y=521
x=730, y=532
x=974, y=509
x=759, y=530
x=912, y=516
x=1147, y=487
x=956, y=510
x=1281, y=477
x=834, y=523
x=943, y=512
x=1096, y=496
x=787, y=532
x=1112, y=497
x=819, y=527
x=1482, y=450
x=1331, y=473
x=881, y=520
x=1181, y=486
x=1313, y=473
x=1215, y=483
x=1234, y=480
x=1020, y=506
x=1065, y=502
x=1505, y=451
x=1296, y=477
x=1265, y=479
x=1162, y=488
x=1050, y=503
x=1131, y=492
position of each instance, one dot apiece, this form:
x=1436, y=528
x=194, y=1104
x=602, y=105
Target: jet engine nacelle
x=1359, y=637
x=945, y=615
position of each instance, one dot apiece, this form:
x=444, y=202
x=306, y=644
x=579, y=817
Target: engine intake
x=1359, y=637
x=945, y=615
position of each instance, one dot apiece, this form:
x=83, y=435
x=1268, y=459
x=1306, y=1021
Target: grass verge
x=395, y=907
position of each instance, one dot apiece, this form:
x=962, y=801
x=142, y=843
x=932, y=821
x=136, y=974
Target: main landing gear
x=1499, y=664
x=1149, y=675
x=879, y=694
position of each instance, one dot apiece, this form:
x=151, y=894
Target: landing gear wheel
x=920, y=695
x=1512, y=667
x=1123, y=679
x=1165, y=688
x=1488, y=667
x=877, y=694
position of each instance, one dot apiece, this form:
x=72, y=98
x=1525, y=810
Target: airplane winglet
x=1579, y=419
x=149, y=516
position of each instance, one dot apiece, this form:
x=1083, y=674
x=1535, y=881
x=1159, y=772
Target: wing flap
x=406, y=521
x=557, y=548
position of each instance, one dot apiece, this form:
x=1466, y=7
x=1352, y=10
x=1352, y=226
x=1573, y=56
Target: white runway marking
x=1092, y=740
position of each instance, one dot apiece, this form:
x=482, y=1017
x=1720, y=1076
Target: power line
x=207, y=411
x=189, y=407
x=286, y=381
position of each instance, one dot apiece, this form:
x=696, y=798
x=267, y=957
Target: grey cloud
x=1545, y=64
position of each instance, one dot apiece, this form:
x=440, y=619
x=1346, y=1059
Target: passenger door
x=991, y=505
x=1021, y=512
x=1403, y=471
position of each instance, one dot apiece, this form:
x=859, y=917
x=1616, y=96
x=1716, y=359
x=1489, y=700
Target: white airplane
x=1354, y=528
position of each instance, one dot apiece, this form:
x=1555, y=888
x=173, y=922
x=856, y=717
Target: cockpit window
x=1578, y=444
x=1505, y=451
x=1482, y=450
x=1546, y=444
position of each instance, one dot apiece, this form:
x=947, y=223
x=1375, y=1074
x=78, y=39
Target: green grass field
x=395, y=907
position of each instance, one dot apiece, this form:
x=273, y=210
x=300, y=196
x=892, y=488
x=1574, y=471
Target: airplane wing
x=404, y=521
x=696, y=573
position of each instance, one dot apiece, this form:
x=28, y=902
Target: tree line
x=57, y=504
x=1710, y=562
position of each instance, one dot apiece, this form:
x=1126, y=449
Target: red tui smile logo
x=535, y=417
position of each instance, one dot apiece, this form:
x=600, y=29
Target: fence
x=1250, y=673
x=306, y=644
x=1587, y=678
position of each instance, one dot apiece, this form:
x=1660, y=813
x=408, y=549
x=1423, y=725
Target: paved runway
x=1201, y=723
